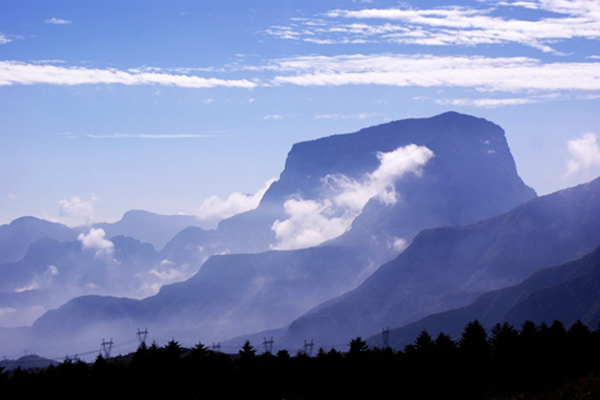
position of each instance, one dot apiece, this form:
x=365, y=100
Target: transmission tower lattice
x=142, y=336
x=268, y=345
x=106, y=348
x=385, y=337
x=216, y=347
x=308, y=348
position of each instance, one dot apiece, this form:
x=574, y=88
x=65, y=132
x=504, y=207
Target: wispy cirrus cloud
x=346, y=116
x=57, y=21
x=509, y=74
x=18, y=73
x=486, y=102
x=148, y=136
x=499, y=74
x=4, y=38
x=451, y=26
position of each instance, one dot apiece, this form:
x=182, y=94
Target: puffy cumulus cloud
x=398, y=244
x=585, y=154
x=95, y=240
x=18, y=73
x=214, y=208
x=312, y=222
x=452, y=25
x=76, y=211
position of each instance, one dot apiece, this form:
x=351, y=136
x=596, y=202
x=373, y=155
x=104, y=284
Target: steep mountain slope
x=448, y=267
x=471, y=176
x=567, y=293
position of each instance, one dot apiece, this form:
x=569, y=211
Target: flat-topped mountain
x=471, y=176
x=413, y=174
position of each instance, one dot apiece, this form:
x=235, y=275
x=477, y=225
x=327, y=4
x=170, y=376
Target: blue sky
x=191, y=106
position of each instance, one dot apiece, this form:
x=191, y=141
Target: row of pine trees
x=506, y=362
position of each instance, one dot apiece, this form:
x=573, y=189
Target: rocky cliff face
x=471, y=176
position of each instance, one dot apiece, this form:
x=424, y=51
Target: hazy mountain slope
x=448, y=267
x=567, y=293
x=148, y=227
x=54, y=272
x=471, y=176
x=16, y=237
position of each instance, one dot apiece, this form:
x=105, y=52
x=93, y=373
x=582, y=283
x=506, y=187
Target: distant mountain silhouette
x=148, y=227
x=449, y=267
x=566, y=293
x=471, y=177
x=16, y=237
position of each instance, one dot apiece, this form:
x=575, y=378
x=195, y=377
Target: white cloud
x=214, y=208
x=585, y=154
x=512, y=74
x=40, y=281
x=32, y=286
x=17, y=73
x=312, y=222
x=149, y=136
x=398, y=244
x=52, y=270
x=452, y=25
x=76, y=211
x=169, y=276
x=95, y=240
x=4, y=39
x=486, y=103
x=57, y=21
x=345, y=116
x=7, y=310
